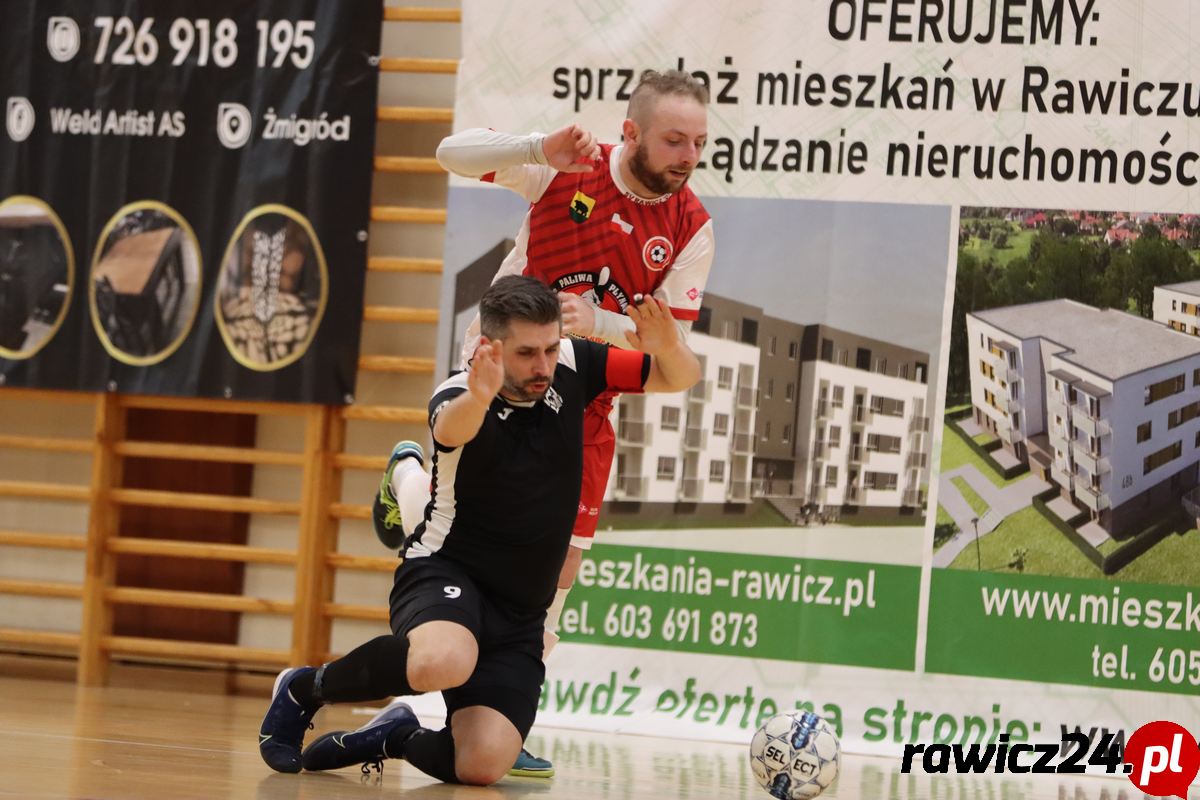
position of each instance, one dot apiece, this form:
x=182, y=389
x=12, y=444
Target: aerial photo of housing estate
x=1072, y=438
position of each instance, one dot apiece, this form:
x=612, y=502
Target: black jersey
x=503, y=504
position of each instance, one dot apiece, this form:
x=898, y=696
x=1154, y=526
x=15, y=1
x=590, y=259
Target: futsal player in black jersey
x=470, y=598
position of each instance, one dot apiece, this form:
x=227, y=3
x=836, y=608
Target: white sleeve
x=683, y=288
x=611, y=326
x=514, y=162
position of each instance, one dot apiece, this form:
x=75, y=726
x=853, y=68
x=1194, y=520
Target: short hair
x=516, y=297
x=653, y=85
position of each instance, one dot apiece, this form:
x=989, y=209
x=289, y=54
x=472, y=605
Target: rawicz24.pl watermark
x=1161, y=758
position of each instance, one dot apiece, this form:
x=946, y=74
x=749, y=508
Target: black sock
x=371, y=671
x=430, y=752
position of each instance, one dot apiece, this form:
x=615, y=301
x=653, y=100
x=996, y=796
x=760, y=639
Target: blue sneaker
x=367, y=745
x=385, y=512
x=530, y=766
x=282, y=731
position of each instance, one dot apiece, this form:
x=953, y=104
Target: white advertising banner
x=863, y=510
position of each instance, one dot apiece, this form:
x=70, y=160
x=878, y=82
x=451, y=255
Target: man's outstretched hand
x=486, y=376
x=655, y=330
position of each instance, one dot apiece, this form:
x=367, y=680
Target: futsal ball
x=795, y=755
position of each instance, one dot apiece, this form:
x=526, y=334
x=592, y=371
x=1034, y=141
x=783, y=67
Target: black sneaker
x=385, y=512
x=282, y=731
x=367, y=745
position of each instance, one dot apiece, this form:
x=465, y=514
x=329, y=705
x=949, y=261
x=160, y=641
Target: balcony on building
x=860, y=415
x=695, y=438
x=1057, y=406
x=691, y=489
x=1059, y=400
x=747, y=397
x=912, y=498
x=1058, y=439
x=1010, y=435
x=632, y=407
x=701, y=392
x=820, y=451
x=998, y=357
x=1092, y=426
x=631, y=487
x=738, y=492
x=631, y=433
x=1094, y=499
x=916, y=461
x=743, y=443
x=1092, y=462
x=1091, y=423
x=856, y=453
x=1060, y=474
x=918, y=424
x=771, y=487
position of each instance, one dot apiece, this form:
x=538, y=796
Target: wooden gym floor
x=159, y=733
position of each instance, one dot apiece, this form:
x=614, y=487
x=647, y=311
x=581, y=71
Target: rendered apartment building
x=828, y=417
x=695, y=446
x=1103, y=403
x=1177, y=306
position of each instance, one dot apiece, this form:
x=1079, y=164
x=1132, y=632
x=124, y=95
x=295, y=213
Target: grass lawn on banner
x=1016, y=247
x=1173, y=561
x=955, y=454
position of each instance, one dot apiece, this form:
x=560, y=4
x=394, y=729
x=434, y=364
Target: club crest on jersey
x=553, y=399
x=657, y=252
x=581, y=207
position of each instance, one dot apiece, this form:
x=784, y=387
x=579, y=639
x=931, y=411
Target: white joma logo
x=503, y=413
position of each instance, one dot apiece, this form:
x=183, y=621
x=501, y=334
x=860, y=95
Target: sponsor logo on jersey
x=694, y=294
x=596, y=288
x=621, y=225
x=581, y=207
x=657, y=252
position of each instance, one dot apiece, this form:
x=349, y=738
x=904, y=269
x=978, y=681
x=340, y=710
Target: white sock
x=410, y=485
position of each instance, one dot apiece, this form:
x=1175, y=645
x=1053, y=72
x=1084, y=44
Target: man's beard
x=657, y=182
x=522, y=393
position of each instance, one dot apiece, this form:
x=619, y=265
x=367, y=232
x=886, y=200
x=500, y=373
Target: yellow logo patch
x=581, y=207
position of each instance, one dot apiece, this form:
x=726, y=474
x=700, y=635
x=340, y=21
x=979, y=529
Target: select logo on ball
x=795, y=755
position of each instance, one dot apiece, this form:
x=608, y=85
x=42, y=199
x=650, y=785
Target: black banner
x=184, y=195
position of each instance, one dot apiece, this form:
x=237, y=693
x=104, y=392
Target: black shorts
x=509, y=674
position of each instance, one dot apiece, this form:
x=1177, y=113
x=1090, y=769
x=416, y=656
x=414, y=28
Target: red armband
x=626, y=370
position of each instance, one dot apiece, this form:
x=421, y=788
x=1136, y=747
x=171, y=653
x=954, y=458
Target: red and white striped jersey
x=588, y=234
